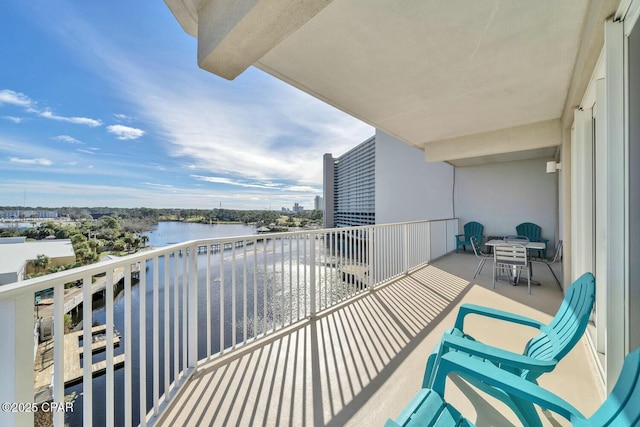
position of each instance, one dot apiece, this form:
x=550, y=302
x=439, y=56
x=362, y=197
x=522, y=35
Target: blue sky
x=102, y=104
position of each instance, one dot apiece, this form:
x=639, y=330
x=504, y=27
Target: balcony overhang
x=234, y=34
x=425, y=72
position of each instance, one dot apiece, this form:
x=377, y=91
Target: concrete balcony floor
x=362, y=362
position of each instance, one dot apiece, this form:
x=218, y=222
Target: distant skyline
x=103, y=104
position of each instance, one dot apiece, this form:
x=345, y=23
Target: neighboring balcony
x=323, y=327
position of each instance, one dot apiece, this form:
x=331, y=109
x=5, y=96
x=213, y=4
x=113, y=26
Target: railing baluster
x=208, y=296
x=255, y=285
x=58, y=352
x=308, y=241
x=244, y=292
x=128, y=354
x=264, y=290
x=273, y=291
x=233, y=297
x=221, y=299
x=167, y=354
x=156, y=334
x=312, y=277
x=298, y=277
x=87, y=389
x=290, y=320
x=109, y=395
x=142, y=286
x=185, y=284
x=192, y=298
x=176, y=316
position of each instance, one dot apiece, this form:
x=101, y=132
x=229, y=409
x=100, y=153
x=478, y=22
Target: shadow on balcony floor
x=361, y=363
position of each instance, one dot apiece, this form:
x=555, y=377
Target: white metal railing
x=192, y=302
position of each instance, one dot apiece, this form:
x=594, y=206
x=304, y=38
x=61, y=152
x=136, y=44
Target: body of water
x=272, y=301
x=163, y=234
x=167, y=233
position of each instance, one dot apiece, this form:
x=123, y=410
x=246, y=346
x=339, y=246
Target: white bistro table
x=526, y=244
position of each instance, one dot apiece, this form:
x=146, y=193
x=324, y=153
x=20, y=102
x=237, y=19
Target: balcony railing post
x=192, y=302
x=312, y=277
x=405, y=236
x=372, y=266
x=17, y=356
x=429, y=242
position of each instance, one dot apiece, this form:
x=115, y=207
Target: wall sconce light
x=552, y=166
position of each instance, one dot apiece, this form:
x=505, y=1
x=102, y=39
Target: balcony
x=328, y=327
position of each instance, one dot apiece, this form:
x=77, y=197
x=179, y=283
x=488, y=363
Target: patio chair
x=470, y=229
x=541, y=353
x=479, y=254
x=556, y=258
x=534, y=233
x=511, y=259
x=621, y=408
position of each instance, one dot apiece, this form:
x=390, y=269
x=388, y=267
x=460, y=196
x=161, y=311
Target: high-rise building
x=349, y=187
x=318, y=203
x=382, y=180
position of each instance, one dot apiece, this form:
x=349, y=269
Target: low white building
x=15, y=253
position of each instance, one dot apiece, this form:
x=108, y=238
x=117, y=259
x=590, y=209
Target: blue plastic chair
x=540, y=355
x=428, y=408
x=471, y=229
x=534, y=233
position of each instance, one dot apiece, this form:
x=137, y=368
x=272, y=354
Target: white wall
x=408, y=188
x=503, y=195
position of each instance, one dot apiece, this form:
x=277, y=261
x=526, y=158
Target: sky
x=102, y=104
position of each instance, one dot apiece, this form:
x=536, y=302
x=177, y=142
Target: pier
x=73, y=353
x=202, y=249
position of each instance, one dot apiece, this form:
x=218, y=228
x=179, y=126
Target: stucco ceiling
x=420, y=70
x=428, y=70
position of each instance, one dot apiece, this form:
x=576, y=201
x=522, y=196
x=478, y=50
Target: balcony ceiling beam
x=533, y=140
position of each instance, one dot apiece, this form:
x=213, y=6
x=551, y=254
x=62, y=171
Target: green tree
x=119, y=245
x=40, y=262
x=109, y=222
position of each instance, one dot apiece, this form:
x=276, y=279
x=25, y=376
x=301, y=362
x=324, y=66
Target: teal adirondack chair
x=471, y=229
x=541, y=354
x=534, y=233
x=428, y=408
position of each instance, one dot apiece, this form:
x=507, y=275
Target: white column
x=616, y=201
x=601, y=215
x=582, y=193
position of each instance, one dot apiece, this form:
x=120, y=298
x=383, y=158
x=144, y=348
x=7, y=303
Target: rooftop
x=14, y=255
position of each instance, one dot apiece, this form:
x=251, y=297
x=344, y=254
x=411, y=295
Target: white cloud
x=15, y=98
x=151, y=184
x=122, y=117
x=48, y=114
x=37, y=161
x=238, y=183
x=256, y=126
x=13, y=119
x=302, y=188
x=125, y=132
x=78, y=194
x=68, y=139
x=21, y=100
x=90, y=150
